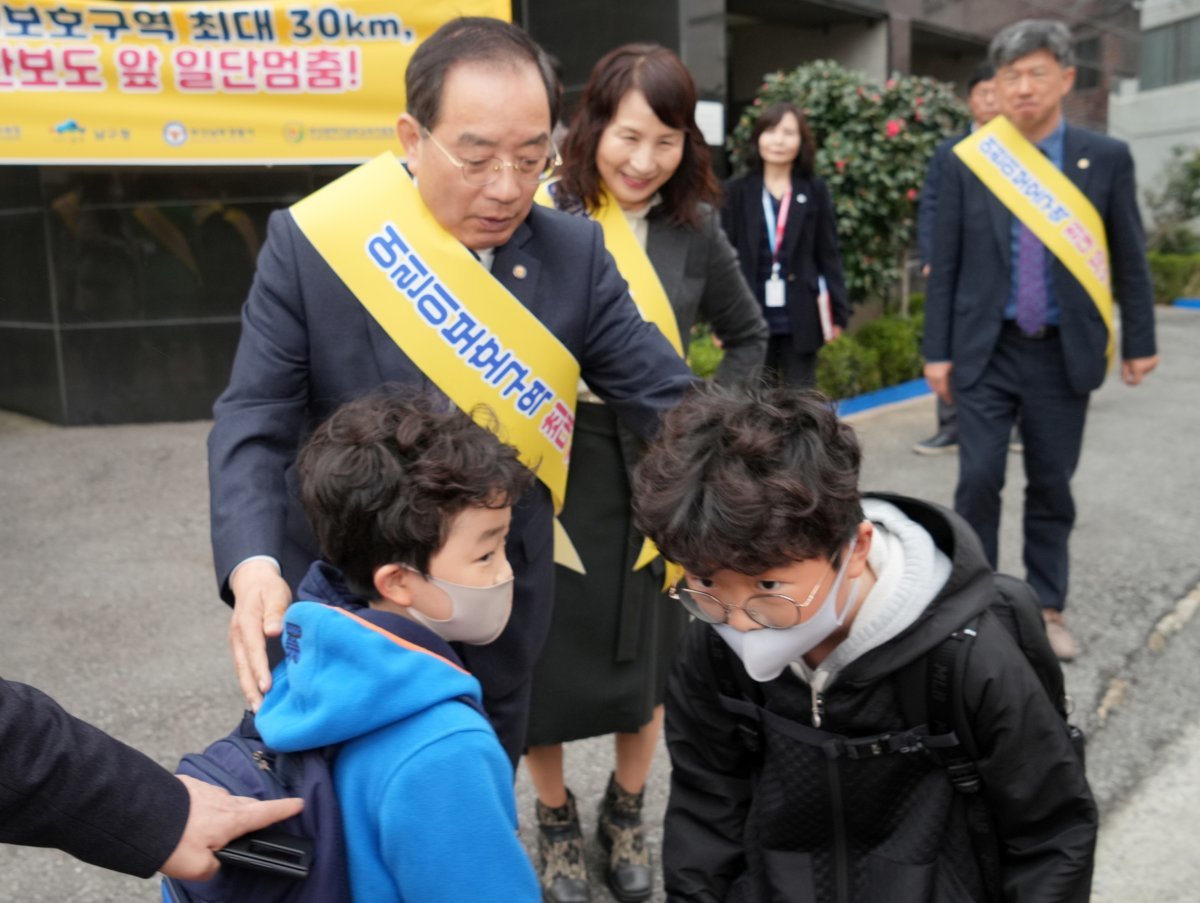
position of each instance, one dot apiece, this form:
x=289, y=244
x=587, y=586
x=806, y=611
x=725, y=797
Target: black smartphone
x=270, y=851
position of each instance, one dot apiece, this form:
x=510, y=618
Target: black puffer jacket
x=790, y=824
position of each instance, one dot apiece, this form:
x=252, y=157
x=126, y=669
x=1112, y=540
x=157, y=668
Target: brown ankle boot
x=620, y=832
x=563, y=871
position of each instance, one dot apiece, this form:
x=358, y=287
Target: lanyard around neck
x=775, y=229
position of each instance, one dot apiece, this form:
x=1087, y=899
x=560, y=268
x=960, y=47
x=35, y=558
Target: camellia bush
x=874, y=145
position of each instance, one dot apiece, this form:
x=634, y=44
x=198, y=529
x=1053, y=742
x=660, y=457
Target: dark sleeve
x=927, y=207
x=829, y=258
x=258, y=420
x=947, y=257
x=68, y=785
x=1045, y=816
x=728, y=304
x=710, y=781
x=1127, y=259
x=626, y=361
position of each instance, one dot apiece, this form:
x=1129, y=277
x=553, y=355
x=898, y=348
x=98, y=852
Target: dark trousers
x=1026, y=378
x=947, y=418
x=792, y=368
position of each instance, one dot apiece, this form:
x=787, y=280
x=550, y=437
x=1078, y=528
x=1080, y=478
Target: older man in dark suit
x=1009, y=331
x=981, y=101
x=477, y=140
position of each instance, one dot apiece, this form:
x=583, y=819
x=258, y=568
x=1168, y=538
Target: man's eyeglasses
x=530, y=170
x=773, y=610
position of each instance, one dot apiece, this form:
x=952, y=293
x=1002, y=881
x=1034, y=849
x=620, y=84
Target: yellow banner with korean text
x=1037, y=193
x=218, y=82
x=463, y=329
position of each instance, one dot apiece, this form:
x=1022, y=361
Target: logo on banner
x=293, y=132
x=175, y=134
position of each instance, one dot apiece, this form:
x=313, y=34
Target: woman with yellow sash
x=635, y=161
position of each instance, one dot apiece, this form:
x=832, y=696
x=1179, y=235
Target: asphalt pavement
x=108, y=603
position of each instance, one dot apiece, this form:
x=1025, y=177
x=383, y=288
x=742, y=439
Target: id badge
x=775, y=292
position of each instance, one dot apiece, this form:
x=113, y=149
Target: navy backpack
x=245, y=766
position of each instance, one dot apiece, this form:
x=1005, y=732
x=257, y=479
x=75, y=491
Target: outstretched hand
x=215, y=818
x=260, y=599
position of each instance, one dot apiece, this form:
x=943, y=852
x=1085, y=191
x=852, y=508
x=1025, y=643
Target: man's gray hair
x=1029, y=36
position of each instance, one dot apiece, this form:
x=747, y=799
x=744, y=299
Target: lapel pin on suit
x=519, y=271
x=1084, y=163
x=802, y=198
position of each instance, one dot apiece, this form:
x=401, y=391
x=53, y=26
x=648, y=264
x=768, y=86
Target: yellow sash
x=1038, y=194
x=652, y=303
x=466, y=332
x=644, y=286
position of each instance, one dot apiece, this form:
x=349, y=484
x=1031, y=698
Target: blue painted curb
x=914, y=388
x=1187, y=303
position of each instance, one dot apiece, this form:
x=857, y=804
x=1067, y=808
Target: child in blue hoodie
x=411, y=504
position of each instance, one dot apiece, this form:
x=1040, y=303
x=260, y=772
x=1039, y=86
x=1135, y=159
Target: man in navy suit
x=1009, y=331
x=476, y=93
x=981, y=101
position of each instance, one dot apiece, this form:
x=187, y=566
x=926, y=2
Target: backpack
x=244, y=765
x=930, y=694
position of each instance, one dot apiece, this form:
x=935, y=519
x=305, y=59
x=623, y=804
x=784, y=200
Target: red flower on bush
x=894, y=127
x=911, y=194
x=840, y=164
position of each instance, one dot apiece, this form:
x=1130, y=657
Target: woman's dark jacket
x=810, y=249
x=762, y=826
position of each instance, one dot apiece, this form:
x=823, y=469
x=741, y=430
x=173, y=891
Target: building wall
x=758, y=49
x=1155, y=120
x=120, y=288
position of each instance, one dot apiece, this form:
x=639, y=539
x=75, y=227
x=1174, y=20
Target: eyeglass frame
x=553, y=161
x=728, y=608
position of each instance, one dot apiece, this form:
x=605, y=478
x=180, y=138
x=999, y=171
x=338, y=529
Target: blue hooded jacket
x=426, y=790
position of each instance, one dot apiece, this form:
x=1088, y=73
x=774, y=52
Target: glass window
x=1189, y=50
x=1157, y=58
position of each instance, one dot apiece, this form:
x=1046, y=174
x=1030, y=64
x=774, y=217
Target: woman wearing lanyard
x=634, y=161
x=780, y=219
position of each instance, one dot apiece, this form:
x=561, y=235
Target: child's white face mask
x=478, y=614
x=765, y=653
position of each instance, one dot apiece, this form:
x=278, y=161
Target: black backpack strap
x=740, y=695
x=933, y=685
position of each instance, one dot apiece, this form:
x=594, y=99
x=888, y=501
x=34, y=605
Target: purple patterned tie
x=1031, y=282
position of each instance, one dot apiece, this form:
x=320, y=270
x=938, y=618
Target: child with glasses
x=795, y=772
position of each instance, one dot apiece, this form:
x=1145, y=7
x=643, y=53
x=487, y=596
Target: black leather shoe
x=563, y=872
x=620, y=832
x=944, y=443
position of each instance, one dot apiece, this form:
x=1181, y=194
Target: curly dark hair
x=748, y=480
x=668, y=87
x=383, y=478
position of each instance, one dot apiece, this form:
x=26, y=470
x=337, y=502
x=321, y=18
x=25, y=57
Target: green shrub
x=916, y=304
x=1174, y=276
x=1174, y=202
x=845, y=368
x=896, y=343
x=703, y=356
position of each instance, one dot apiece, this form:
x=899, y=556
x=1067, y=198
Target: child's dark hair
x=383, y=478
x=748, y=480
